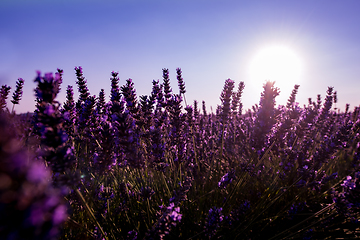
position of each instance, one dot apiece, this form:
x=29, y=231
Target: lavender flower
x=226, y=179
x=115, y=92
x=147, y=106
x=327, y=106
x=82, y=86
x=158, y=146
x=4, y=92
x=166, y=84
x=100, y=105
x=60, y=72
x=68, y=112
x=157, y=94
x=204, y=108
x=30, y=208
x=104, y=159
x=132, y=235
x=347, y=200
x=69, y=105
x=291, y=100
x=266, y=115
x=18, y=91
x=236, y=103
x=86, y=116
x=129, y=94
x=318, y=101
x=225, y=98
x=49, y=121
x=168, y=217
x=213, y=221
x=181, y=194
x=180, y=81
x=115, y=96
x=335, y=99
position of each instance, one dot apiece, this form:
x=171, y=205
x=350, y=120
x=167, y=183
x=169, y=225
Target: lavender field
x=157, y=167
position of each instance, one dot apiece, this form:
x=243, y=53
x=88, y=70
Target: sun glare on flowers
x=276, y=63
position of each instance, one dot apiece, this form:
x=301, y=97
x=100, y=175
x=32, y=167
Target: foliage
x=153, y=168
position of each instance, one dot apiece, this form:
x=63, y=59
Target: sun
x=277, y=63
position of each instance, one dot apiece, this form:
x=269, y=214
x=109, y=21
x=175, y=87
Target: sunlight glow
x=276, y=63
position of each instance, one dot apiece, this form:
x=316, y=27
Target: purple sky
x=210, y=40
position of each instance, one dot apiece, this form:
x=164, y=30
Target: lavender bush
x=153, y=167
x=30, y=207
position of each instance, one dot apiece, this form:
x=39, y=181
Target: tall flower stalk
x=53, y=137
x=266, y=115
x=18, y=93
x=4, y=93
x=181, y=83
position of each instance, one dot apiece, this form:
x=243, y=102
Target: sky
x=210, y=40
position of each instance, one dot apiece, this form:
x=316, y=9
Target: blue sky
x=210, y=40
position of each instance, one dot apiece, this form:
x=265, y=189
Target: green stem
x=91, y=213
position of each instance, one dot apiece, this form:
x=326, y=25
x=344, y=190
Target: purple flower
x=129, y=93
x=166, y=84
x=4, y=92
x=181, y=82
x=236, y=97
x=169, y=216
x=36, y=173
x=49, y=125
x=291, y=100
x=226, y=179
x=18, y=91
x=213, y=220
x=82, y=84
x=348, y=183
x=132, y=235
x=225, y=98
x=48, y=86
x=347, y=201
x=266, y=115
x=175, y=214
x=30, y=207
